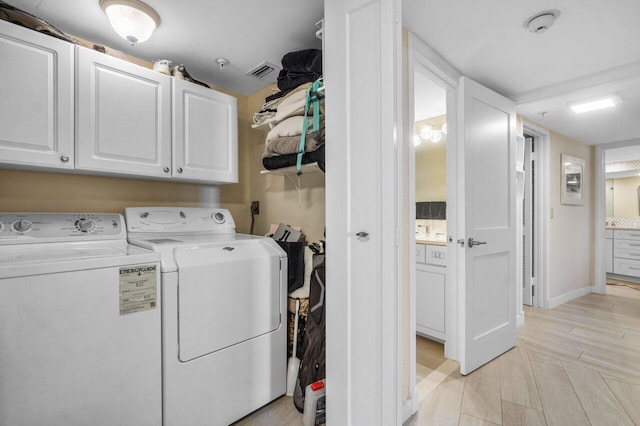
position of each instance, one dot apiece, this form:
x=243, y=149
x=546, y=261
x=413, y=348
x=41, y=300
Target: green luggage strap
x=313, y=97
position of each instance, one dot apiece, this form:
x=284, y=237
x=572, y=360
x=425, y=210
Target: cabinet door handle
x=64, y=159
x=166, y=170
x=363, y=236
x=179, y=169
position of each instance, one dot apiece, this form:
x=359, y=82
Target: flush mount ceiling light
x=133, y=20
x=542, y=21
x=594, y=104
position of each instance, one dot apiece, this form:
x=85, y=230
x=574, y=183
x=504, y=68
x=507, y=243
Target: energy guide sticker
x=138, y=288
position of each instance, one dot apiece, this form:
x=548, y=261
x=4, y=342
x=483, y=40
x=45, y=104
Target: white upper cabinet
x=123, y=114
x=205, y=134
x=36, y=100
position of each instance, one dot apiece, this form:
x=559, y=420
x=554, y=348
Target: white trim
x=600, y=280
x=430, y=63
x=410, y=406
x=437, y=64
x=520, y=317
x=624, y=72
x=559, y=300
x=542, y=193
x=412, y=224
x=542, y=138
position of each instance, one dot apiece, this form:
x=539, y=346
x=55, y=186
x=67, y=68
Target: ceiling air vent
x=262, y=70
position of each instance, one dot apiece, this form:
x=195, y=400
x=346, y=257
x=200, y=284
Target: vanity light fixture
x=133, y=20
x=428, y=133
x=594, y=104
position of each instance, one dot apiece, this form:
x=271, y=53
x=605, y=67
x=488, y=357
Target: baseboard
x=410, y=406
x=520, y=319
x=559, y=300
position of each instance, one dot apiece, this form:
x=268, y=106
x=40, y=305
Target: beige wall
x=625, y=197
x=572, y=227
x=431, y=171
x=28, y=191
x=277, y=195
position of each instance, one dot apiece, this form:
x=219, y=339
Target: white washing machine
x=80, y=331
x=224, y=341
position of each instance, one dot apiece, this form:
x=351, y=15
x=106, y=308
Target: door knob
x=473, y=242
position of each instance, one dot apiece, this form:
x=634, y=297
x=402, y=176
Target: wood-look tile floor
x=577, y=364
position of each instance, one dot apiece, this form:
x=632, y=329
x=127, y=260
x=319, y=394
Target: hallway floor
x=577, y=364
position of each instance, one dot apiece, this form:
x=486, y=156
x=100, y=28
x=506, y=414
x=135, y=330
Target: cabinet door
x=124, y=117
x=430, y=301
x=608, y=252
x=36, y=105
x=205, y=134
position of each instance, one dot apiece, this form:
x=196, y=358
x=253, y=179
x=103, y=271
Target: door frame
x=424, y=59
x=600, y=278
x=542, y=139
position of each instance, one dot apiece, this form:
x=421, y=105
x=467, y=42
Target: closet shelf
x=291, y=170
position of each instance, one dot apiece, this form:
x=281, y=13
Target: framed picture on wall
x=572, y=173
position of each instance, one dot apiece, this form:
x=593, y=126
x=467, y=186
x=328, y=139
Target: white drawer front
x=436, y=255
x=608, y=233
x=626, y=244
x=626, y=267
x=626, y=235
x=627, y=254
x=420, y=253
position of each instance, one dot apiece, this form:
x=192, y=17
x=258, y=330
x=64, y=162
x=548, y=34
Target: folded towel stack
x=287, y=109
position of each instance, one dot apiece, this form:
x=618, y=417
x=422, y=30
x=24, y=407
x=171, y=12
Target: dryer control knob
x=22, y=225
x=218, y=217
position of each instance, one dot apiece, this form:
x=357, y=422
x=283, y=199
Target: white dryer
x=80, y=324
x=223, y=313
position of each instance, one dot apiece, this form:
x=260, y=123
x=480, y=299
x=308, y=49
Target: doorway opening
x=622, y=220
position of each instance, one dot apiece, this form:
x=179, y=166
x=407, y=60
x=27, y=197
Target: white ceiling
x=591, y=49
x=430, y=100
x=196, y=32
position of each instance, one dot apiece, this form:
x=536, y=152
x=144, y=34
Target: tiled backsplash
x=624, y=222
x=431, y=229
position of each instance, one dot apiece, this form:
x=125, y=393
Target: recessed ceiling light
x=593, y=105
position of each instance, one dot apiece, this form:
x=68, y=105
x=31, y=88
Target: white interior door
x=487, y=198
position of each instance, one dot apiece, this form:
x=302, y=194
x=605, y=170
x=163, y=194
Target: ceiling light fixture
x=593, y=105
x=542, y=21
x=133, y=20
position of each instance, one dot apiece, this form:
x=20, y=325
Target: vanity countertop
x=623, y=228
x=432, y=242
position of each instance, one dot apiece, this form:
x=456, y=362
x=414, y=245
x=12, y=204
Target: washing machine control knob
x=22, y=225
x=85, y=225
x=218, y=217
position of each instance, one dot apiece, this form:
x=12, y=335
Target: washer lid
x=38, y=259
